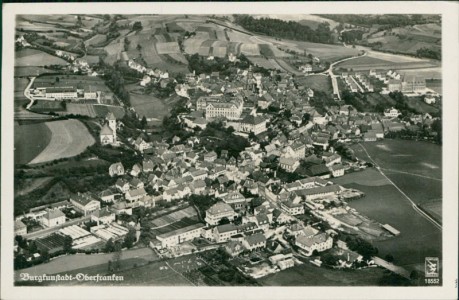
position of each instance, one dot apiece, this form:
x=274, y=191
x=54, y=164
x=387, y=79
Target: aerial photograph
x=228, y=150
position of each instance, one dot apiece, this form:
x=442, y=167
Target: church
x=108, y=131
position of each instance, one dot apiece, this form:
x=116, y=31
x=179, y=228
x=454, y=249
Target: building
x=332, y=159
x=108, y=132
x=235, y=199
x=319, y=242
x=394, y=85
x=292, y=208
x=319, y=192
x=135, y=195
x=229, y=109
x=430, y=99
x=122, y=185
x=222, y=233
x=413, y=84
x=61, y=93
x=53, y=218
x=20, y=228
x=85, y=203
x=116, y=169
x=391, y=112
x=176, y=237
x=253, y=124
x=103, y=216
x=140, y=144
x=234, y=248
x=289, y=164
x=337, y=170
x=254, y=242
x=369, y=136
x=219, y=211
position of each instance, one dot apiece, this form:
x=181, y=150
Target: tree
x=329, y=259
x=67, y=244
x=389, y=257
x=130, y=238
x=224, y=221
x=139, y=47
x=109, y=246
x=137, y=26
x=143, y=123
x=107, y=17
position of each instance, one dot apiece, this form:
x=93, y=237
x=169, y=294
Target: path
x=391, y=267
x=413, y=174
x=413, y=204
x=47, y=231
x=329, y=72
x=27, y=93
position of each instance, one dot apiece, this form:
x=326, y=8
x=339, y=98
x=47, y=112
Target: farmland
x=95, y=40
x=29, y=141
x=68, y=138
x=33, y=57
x=167, y=48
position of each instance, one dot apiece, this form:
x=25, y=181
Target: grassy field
x=174, y=217
x=33, y=57
x=148, y=106
x=68, y=138
x=95, y=40
x=310, y=275
x=404, y=162
x=317, y=83
x=29, y=141
x=80, y=262
x=167, y=48
x=420, y=106
x=19, y=86
x=368, y=177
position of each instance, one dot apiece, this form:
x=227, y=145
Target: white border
x=449, y=11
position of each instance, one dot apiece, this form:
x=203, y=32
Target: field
x=167, y=48
x=420, y=106
x=148, y=106
x=317, y=83
x=68, y=138
x=261, y=62
x=33, y=57
x=29, y=141
x=30, y=71
x=95, y=40
x=310, y=275
x=69, y=263
x=309, y=20
x=415, y=167
x=19, y=86
x=188, y=212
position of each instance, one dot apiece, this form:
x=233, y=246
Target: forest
x=286, y=30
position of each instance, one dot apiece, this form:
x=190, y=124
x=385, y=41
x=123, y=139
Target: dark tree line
x=286, y=29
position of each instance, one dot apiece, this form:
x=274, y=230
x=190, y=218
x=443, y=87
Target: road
x=329, y=72
x=27, y=92
x=48, y=231
x=413, y=204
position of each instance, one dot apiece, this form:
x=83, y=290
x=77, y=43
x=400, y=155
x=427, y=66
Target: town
x=243, y=173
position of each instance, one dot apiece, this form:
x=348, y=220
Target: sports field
x=68, y=138
x=33, y=57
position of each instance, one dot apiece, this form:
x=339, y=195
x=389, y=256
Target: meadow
x=317, y=83
x=33, y=57
x=68, y=138
x=29, y=141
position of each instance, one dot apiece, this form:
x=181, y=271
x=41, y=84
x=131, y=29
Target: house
x=253, y=124
x=319, y=170
x=135, y=195
x=234, y=248
x=292, y=208
x=254, y=242
x=136, y=183
x=85, y=203
x=413, y=84
x=198, y=187
x=116, y=169
x=222, y=233
x=332, y=159
x=176, y=237
x=103, y=216
x=121, y=208
x=219, y=211
x=210, y=156
x=20, y=228
x=337, y=170
x=369, y=137
x=122, y=185
x=147, y=165
x=262, y=221
x=319, y=242
x=136, y=170
x=235, y=199
x=108, y=195
x=319, y=192
x=52, y=218
x=392, y=112
x=429, y=99
x=140, y=144
x=289, y=164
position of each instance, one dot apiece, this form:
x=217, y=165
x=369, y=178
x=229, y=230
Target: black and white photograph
x=239, y=146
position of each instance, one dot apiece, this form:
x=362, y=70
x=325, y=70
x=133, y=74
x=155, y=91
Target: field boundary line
x=413, y=204
x=413, y=174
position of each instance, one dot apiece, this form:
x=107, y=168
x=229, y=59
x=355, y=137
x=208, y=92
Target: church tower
x=112, y=124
